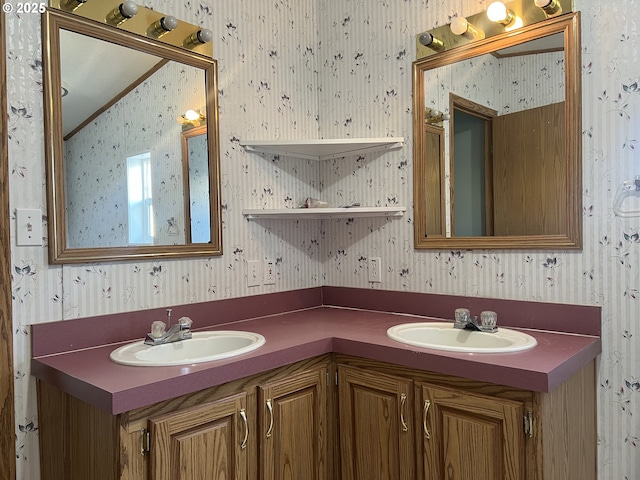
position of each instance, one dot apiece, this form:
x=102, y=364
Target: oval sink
x=442, y=336
x=202, y=347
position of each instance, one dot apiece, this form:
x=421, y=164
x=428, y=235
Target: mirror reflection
x=135, y=182
x=195, y=160
x=122, y=160
x=494, y=159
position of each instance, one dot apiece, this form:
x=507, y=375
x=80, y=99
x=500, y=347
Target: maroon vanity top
x=91, y=376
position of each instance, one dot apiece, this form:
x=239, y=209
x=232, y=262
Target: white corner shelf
x=323, y=149
x=319, y=213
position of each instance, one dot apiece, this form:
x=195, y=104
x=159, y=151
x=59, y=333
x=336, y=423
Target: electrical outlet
x=254, y=275
x=375, y=269
x=269, y=272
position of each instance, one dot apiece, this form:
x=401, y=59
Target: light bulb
x=551, y=8
x=122, y=13
x=191, y=115
x=429, y=41
x=497, y=12
x=168, y=23
x=199, y=37
x=459, y=25
x=161, y=27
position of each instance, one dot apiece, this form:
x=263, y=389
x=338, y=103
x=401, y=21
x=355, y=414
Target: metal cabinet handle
x=243, y=415
x=270, y=408
x=425, y=412
x=403, y=401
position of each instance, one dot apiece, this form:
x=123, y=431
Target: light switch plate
x=254, y=275
x=28, y=227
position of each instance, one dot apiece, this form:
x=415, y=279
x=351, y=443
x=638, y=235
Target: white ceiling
x=94, y=72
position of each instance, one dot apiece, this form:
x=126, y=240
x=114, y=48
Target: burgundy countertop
x=91, y=376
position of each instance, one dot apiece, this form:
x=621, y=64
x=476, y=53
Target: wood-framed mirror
x=114, y=122
x=502, y=168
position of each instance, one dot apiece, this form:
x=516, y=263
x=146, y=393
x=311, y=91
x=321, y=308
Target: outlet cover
x=269, y=272
x=253, y=273
x=375, y=270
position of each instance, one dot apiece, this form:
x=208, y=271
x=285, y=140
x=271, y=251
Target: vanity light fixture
x=163, y=26
x=551, y=8
x=432, y=115
x=199, y=37
x=71, y=5
x=122, y=13
x=429, y=41
x=460, y=26
x=192, y=118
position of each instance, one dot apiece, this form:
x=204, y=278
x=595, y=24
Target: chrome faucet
x=487, y=322
x=160, y=336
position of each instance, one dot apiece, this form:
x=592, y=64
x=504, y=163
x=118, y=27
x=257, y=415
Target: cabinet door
x=293, y=427
x=201, y=443
x=468, y=436
x=376, y=434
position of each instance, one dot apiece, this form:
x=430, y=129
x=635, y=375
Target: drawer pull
x=243, y=415
x=270, y=408
x=425, y=412
x=403, y=402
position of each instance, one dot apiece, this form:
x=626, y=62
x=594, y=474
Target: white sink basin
x=442, y=336
x=202, y=347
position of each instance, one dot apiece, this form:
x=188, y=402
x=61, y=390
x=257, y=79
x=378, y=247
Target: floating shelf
x=315, y=213
x=323, y=149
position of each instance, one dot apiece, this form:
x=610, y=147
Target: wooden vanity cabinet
x=375, y=425
x=462, y=429
x=210, y=434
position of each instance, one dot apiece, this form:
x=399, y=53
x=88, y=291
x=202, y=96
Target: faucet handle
x=185, y=323
x=462, y=317
x=158, y=329
x=489, y=319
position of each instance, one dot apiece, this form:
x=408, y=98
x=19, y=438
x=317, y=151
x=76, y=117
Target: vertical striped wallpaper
x=329, y=69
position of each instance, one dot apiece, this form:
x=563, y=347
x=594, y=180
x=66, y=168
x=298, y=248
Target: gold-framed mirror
x=497, y=141
x=114, y=124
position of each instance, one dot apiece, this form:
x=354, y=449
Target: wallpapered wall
x=303, y=69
